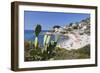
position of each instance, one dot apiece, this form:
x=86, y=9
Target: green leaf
x=57, y=37
x=37, y=30
x=52, y=42
x=45, y=38
x=36, y=42
x=48, y=39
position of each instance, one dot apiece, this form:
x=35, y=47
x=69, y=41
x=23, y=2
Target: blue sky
x=48, y=19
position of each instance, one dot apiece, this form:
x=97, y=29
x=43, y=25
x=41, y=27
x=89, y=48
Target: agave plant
x=57, y=37
x=37, y=31
x=49, y=46
x=47, y=52
x=46, y=41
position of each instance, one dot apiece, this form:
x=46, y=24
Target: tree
x=56, y=26
x=70, y=24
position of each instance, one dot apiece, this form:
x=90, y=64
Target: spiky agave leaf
x=37, y=30
x=36, y=42
x=44, y=41
x=48, y=39
x=57, y=37
x=52, y=42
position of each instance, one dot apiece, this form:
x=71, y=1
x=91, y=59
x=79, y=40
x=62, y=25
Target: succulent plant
x=36, y=42
x=37, y=31
x=57, y=37
x=47, y=52
x=44, y=41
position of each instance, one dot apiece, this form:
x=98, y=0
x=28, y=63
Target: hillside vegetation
x=74, y=45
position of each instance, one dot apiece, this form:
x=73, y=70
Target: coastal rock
x=76, y=35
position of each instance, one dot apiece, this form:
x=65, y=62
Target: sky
x=49, y=19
